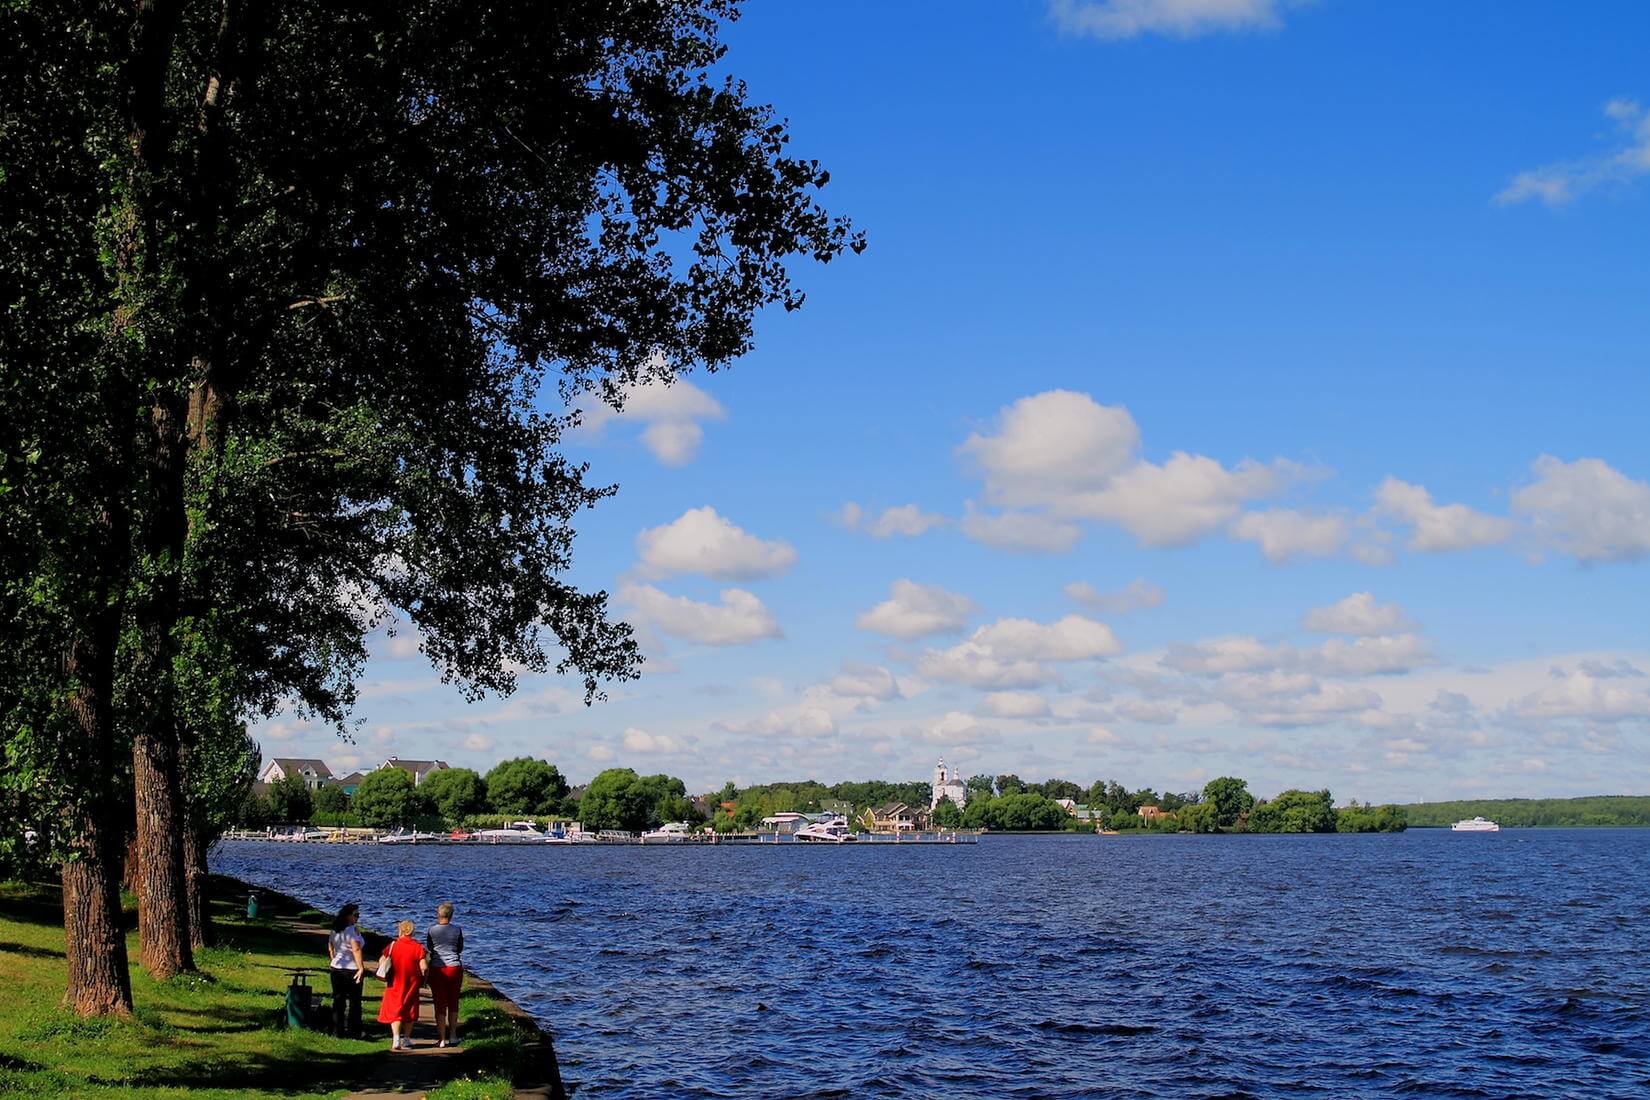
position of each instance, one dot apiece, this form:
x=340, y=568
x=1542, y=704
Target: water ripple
x=1424, y=964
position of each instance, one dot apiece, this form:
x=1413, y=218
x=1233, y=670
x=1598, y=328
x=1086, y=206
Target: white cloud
x=739, y=618
x=1134, y=596
x=975, y=665
x=1071, y=638
x=1115, y=19
x=1051, y=444
x=1021, y=532
x=1015, y=653
x=954, y=728
x=903, y=520
x=671, y=414
x=1142, y=710
x=1372, y=656
x=1293, y=699
x=807, y=721
x=1561, y=183
x=1218, y=656
x=1284, y=533
x=701, y=541
x=1438, y=527
x=1184, y=499
x=1383, y=656
x=1580, y=695
x=670, y=418
x=1015, y=704
x=1060, y=456
x=857, y=681
x=913, y=610
x=599, y=753
x=639, y=740
x=1587, y=509
x=1357, y=614
x=1099, y=735
x=477, y=742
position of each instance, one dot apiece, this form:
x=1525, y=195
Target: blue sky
x=1309, y=337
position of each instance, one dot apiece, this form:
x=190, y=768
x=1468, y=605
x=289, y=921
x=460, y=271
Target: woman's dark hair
x=341, y=921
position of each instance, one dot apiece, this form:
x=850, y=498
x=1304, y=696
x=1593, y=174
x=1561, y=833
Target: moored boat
x=671, y=832
x=517, y=832
x=830, y=831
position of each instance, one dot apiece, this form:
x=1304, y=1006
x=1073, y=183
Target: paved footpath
x=403, y=1073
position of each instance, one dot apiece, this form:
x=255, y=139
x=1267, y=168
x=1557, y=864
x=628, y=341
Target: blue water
x=1428, y=963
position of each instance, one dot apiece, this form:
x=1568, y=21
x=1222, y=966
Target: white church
x=948, y=786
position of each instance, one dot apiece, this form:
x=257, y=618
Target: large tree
x=525, y=785
x=286, y=285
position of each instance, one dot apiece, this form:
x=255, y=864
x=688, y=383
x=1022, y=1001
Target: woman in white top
x=345, y=963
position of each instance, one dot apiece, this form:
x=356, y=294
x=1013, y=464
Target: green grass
x=206, y=1036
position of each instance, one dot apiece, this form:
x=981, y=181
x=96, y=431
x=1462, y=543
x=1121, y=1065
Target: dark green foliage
x=331, y=800
x=455, y=793
x=1230, y=797
x=290, y=801
x=1060, y=788
x=1594, y=810
x=388, y=799
x=1022, y=812
x=300, y=299
x=1201, y=817
x=525, y=785
x=618, y=798
x=947, y=814
x=1353, y=818
x=1294, y=812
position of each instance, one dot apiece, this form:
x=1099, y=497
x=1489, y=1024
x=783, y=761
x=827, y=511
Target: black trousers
x=346, y=1004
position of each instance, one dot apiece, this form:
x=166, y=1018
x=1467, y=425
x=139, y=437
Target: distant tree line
x=619, y=798
x=1551, y=813
x=522, y=787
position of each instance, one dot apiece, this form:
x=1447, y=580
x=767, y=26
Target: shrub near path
x=208, y=1035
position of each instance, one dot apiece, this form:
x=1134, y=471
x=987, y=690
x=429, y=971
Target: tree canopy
x=306, y=297
x=387, y=798
x=525, y=785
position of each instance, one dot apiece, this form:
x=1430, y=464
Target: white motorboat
x=671, y=832
x=410, y=836
x=1476, y=825
x=830, y=831
x=517, y=832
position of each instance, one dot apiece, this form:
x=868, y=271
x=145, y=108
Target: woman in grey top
x=445, y=943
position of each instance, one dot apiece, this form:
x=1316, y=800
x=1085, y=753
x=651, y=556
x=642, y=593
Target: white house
x=314, y=773
x=418, y=769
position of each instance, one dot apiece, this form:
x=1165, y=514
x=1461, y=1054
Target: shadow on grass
x=31, y=952
x=34, y=903
x=310, y=1072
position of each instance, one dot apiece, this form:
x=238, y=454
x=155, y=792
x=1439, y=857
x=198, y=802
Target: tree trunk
x=194, y=873
x=100, y=982
x=163, y=915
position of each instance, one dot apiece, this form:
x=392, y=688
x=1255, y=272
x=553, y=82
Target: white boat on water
x=671, y=832
x=517, y=832
x=830, y=831
x=1476, y=825
x=410, y=836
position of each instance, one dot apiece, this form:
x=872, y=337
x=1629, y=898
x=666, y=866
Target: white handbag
x=384, y=968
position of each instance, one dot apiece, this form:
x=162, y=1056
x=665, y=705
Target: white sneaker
x=441, y=1044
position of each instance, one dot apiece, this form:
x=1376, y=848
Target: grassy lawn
x=206, y=1035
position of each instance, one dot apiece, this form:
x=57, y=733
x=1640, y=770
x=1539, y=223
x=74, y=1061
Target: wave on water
x=1048, y=966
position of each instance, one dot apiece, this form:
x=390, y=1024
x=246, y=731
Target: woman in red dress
x=407, y=966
